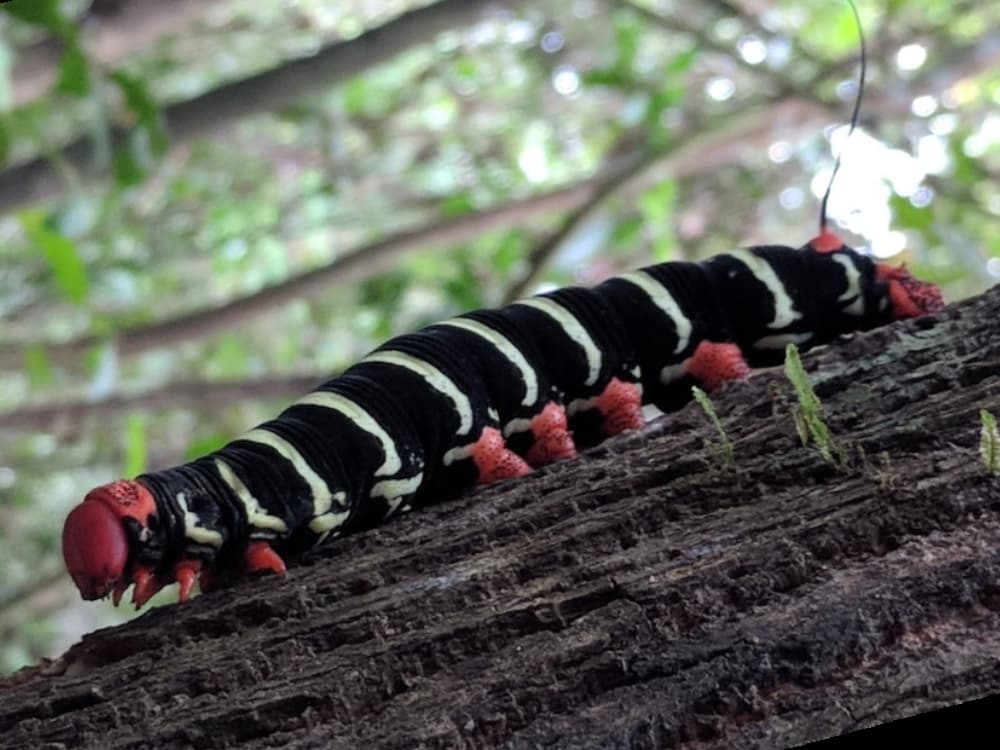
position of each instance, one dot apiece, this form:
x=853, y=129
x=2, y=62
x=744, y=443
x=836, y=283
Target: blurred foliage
x=530, y=100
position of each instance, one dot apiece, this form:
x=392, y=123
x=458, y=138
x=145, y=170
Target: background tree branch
x=631, y=170
x=110, y=33
x=68, y=418
x=42, y=178
x=367, y=261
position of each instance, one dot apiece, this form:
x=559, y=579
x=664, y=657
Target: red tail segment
x=910, y=297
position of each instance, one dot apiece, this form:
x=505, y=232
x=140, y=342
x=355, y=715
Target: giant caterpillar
x=478, y=398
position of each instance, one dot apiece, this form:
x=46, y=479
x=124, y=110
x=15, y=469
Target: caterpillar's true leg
x=146, y=585
x=620, y=405
x=553, y=440
x=119, y=590
x=494, y=460
x=713, y=363
x=185, y=572
x=257, y=556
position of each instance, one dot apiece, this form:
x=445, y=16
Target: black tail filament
x=854, y=117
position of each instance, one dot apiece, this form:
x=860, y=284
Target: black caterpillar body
x=467, y=399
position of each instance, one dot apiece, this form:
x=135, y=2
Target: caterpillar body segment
x=475, y=399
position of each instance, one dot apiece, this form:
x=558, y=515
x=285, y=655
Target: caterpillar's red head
x=95, y=542
x=910, y=297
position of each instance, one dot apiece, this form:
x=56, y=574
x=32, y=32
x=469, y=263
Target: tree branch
x=40, y=179
x=107, y=37
x=784, y=84
x=800, y=53
x=714, y=146
x=205, y=396
x=645, y=594
x=353, y=266
x=707, y=151
x=543, y=252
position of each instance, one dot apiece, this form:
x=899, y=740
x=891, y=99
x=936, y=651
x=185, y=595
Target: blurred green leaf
x=908, y=216
x=135, y=444
x=366, y=96
x=289, y=350
x=671, y=94
x=138, y=152
x=141, y=103
x=4, y=139
x=95, y=356
x=682, y=62
x=382, y=294
x=74, y=76
x=833, y=29
x=231, y=358
x=45, y=13
x=104, y=326
x=627, y=231
x=355, y=96
x=61, y=254
x=383, y=289
x=465, y=66
x=610, y=77
x=18, y=499
x=657, y=207
x=458, y=204
x=511, y=248
x=463, y=287
x=845, y=30
x=628, y=33
x=126, y=167
x=205, y=445
x=36, y=364
x=44, y=537
x=965, y=169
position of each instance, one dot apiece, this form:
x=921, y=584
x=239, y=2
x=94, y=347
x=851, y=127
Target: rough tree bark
x=643, y=595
